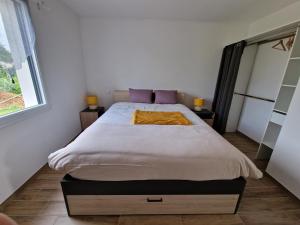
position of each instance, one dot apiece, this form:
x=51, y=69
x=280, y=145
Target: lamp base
x=93, y=107
x=197, y=108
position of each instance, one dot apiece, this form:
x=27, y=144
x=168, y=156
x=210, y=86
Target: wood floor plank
x=270, y=218
x=151, y=220
x=212, y=220
x=87, y=220
x=35, y=220
x=266, y=192
x=266, y=181
x=40, y=195
x=278, y=204
x=49, y=176
x=45, y=184
x=25, y=208
x=55, y=208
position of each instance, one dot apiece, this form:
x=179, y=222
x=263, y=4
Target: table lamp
x=92, y=101
x=198, y=103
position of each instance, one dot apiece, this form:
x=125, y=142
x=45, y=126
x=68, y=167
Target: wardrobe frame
x=278, y=115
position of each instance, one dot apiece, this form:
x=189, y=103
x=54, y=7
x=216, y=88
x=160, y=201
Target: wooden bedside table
x=206, y=115
x=89, y=116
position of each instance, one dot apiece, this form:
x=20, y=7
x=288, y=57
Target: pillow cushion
x=140, y=95
x=165, y=97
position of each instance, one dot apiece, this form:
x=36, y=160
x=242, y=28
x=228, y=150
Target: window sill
x=16, y=117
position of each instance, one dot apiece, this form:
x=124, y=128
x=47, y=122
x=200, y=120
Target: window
x=20, y=85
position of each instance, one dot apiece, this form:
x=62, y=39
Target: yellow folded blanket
x=159, y=118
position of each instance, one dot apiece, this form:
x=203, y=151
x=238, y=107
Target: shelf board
x=274, y=122
x=277, y=118
x=269, y=144
x=295, y=58
x=280, y=111
x=289, y=85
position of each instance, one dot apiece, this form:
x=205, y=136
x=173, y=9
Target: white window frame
x=12, y=118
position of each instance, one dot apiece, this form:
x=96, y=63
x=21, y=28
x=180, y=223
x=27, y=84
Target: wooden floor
x=40, y=202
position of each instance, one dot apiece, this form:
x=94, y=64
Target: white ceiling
x=198, y=10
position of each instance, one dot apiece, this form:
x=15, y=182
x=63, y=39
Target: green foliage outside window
x=8, y=79
x=9, y=83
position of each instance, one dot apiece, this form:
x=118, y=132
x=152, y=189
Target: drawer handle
x=154, y=200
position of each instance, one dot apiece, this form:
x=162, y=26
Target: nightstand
x=206, y=115
x=89, y=116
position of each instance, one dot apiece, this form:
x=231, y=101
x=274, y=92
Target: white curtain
x=19, y=30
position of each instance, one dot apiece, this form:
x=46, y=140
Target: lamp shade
x=91, y=100
x=198, y=102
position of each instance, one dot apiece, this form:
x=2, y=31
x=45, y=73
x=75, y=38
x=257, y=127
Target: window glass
x=20, y=86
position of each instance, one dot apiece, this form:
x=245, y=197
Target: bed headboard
x=123, y=96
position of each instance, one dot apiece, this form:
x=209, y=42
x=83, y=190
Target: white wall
x=280, y=18
x=234, y=32
x=151, y=54
x=26, y=145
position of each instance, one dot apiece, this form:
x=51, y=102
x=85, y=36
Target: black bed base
x=72, y=186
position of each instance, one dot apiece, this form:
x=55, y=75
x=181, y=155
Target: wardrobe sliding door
x=255, y=117
x=241, y=85
x=265, y=82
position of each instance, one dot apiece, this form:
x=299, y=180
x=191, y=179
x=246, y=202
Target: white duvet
x=113, y=149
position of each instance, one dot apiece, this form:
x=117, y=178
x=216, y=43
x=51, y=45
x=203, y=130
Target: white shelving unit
x=283, y=101
x=284, y=164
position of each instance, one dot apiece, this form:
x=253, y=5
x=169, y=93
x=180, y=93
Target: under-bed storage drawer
x=85, y=197
x=151, y=204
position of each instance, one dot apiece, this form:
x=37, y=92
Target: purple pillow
x=165, y=97
x=140, y=95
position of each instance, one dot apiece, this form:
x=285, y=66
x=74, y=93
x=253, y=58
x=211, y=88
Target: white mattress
x=112, y=149
x=121, y=113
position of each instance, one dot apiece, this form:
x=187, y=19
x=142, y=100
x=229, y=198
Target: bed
x=116, y=168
